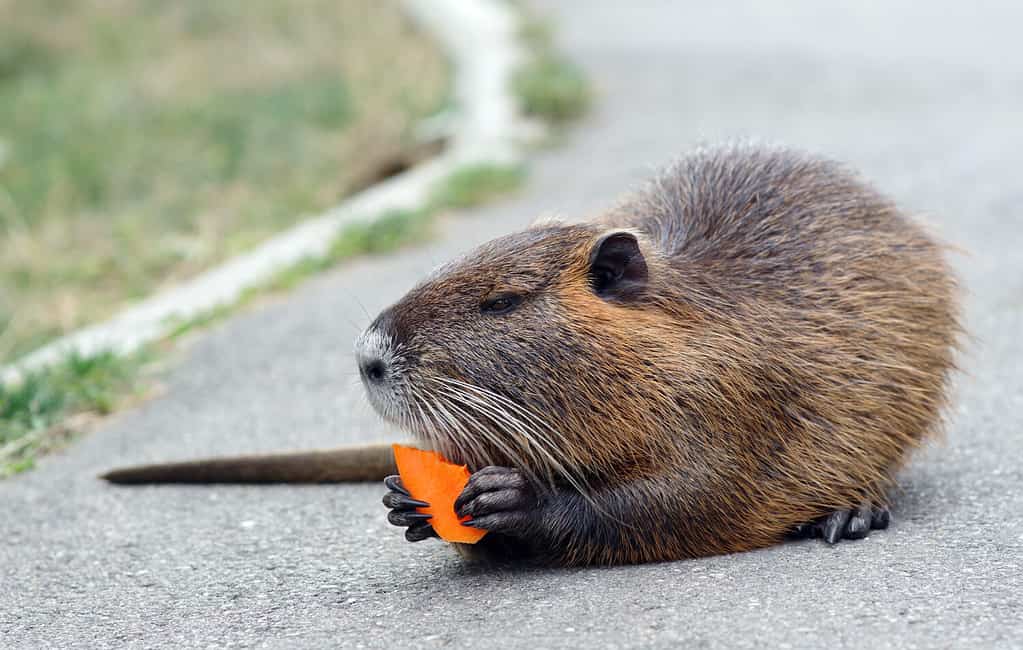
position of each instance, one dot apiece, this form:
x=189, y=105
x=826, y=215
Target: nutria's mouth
x=467, y=423
x=430, y=417
x=404, y=403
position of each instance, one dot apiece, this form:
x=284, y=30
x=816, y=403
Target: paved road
x=928, y=104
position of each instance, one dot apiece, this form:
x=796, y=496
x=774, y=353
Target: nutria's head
x=522, y=351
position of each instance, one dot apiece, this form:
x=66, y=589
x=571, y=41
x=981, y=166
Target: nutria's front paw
x=403, y=511
x=846, y=524
x=500, y=500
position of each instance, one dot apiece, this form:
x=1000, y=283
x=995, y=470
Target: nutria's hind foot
x=845, y=524
x=403, y=511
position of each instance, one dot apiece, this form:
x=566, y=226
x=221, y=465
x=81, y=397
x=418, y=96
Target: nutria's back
x=827, y=326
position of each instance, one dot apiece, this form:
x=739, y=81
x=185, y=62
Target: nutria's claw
x=835, y=524
x=399, y=501
x=394, y=484
x=846, y=524
x=419, y=532
x=880, y=518
x=403, y=511
x=497, y=499
x=406, y=518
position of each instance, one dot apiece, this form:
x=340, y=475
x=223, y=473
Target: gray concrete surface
x=926, y=98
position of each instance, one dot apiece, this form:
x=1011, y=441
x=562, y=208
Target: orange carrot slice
x=429, y=477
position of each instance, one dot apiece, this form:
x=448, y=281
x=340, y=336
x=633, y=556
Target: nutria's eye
x=500, y=304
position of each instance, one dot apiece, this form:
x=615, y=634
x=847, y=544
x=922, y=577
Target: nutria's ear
x=617, y=268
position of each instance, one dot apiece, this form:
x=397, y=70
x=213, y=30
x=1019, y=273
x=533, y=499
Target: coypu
x=747, y=348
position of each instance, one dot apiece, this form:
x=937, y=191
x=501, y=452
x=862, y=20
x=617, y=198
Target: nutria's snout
x=372, y=354
x=374, y=371
x=379, y=360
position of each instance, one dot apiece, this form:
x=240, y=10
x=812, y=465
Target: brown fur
x=788, y=343
x=792, y=344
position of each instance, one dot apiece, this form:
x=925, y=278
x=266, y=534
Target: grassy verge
x=143, y=142
x=38, y=414
x=549, y=86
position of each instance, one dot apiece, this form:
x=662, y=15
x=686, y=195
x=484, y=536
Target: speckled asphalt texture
x=927, y=99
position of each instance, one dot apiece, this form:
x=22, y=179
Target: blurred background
x=143, y=141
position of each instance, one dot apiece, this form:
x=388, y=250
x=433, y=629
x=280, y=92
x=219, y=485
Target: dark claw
x=419, y=532
x=399, y=501
x=834, y=526
x=394, y=484
x=499, y=499
x=403, y=511
x=504, y=522
x=490, y=479
x=406, y=518
x=880, y=519
x=844, y=524
x=488, y=502
x=859, y=523
x=803, y=531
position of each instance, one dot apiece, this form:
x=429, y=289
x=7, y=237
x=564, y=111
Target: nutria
x=748, y=347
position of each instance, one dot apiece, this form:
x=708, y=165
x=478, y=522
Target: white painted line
x=480, y=37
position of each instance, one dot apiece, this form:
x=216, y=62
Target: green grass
x=549, y=86
x=142, y=142
x=476, y=184
x=32, y=410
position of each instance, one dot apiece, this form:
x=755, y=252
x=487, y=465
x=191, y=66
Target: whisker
x=485, y=401
x=435, y=441
x=476, y=446
x=574, y=476
x=501, y=418
x=496, y=442
x=537, y=422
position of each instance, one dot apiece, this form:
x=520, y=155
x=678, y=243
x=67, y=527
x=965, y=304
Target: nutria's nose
x=373, y=370
x=374, y=355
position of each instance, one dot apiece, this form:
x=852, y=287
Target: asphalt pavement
x=926, y=99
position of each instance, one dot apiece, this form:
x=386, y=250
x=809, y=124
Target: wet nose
x=373, y=369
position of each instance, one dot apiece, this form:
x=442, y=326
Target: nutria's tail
x=346, y=464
